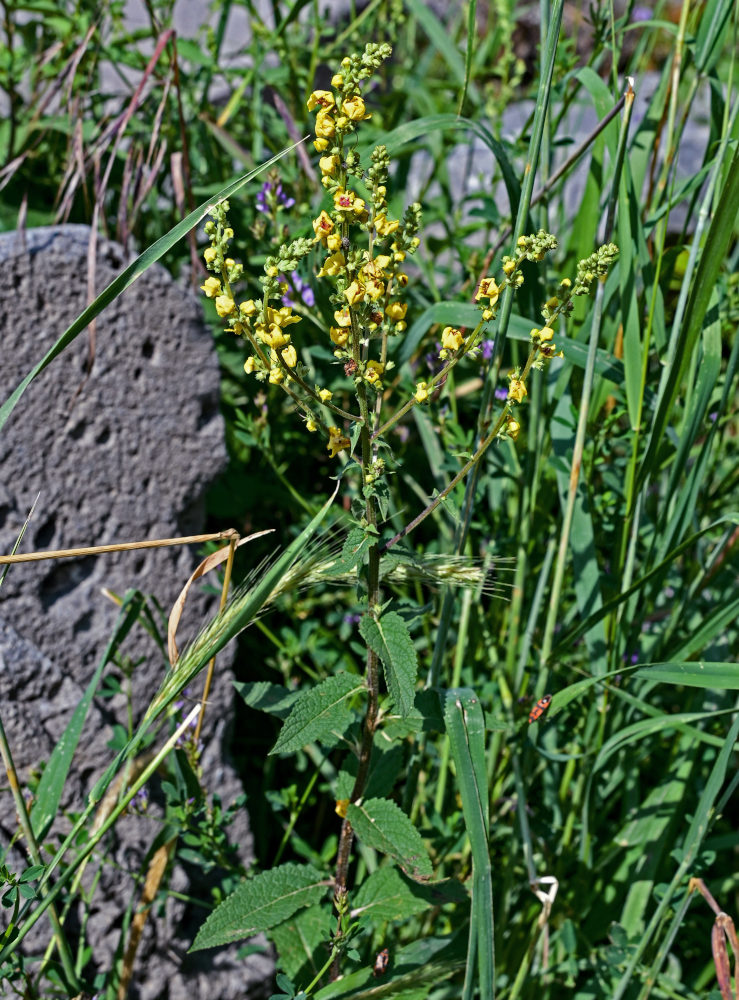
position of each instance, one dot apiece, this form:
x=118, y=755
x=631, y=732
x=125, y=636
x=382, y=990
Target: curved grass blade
x=128, y=276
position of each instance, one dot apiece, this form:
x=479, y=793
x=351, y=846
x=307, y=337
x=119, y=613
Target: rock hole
x=43, y=537
x=147, y=349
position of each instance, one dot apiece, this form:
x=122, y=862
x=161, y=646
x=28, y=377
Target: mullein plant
x=364, y=252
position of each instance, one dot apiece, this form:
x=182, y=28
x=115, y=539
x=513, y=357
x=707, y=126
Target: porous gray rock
x=121, y=452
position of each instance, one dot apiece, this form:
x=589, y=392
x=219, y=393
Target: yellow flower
x=321, y=98
x=225, y=305
x=273, y=337
x=337, y=80
x=375, y=289
x=328, y=164
x=323, y=225
x=509, y=266
x=488, y=290
x=336, y=442
x=339, y=336
x=343, y=317
x=209, y=255
x=321, y=145
x=347, y=201
x=333, y=265
x=422, y=392
x=333, y=242
x=311, y=425
x=516, y=389
x=451, y=339
x=385, y=226
x=546, y=333
x=354, y=109
x=341, y=807
x=354, y=293
x=513, y=427
x=276, y=375
x=373, y=371
x=325, y=125
x=212, y=287
x=248, y=309
x=396, y=311
x=249, y=365
x=289, y=356
x=325, y=395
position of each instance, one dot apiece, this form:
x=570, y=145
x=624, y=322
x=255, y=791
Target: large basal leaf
x=320, y=712
x=383, y=825
x=390, y=639
x=261, y=903
x=389, y=895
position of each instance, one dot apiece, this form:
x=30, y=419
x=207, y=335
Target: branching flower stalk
x=363, y=251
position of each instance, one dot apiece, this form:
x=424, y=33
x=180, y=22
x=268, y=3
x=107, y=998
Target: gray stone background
x=125, y=453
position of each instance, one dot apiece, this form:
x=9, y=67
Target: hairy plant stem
x=372, y=676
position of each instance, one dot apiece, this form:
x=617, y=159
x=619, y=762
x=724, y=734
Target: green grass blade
x=465, y=725
x=721, y=676
x=127, y=278
x=720, y=233
x=693, y=840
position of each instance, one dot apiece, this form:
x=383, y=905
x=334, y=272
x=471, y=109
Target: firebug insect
x=381, y=961
x=539, y=708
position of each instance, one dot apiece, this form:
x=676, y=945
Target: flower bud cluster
x=594, y=267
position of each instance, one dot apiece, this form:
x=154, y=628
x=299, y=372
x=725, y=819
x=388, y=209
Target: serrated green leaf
x=266, y=697
x=299, y=941
x=389, y=895
x=318, y=713
x=261, y=903
x=390, y=639
x=383, y=825
x=357, y=542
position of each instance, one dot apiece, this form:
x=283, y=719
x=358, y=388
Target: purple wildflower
x=488, y=346
x=352, y=619
x=302, y=289
x=501, y=393
x=271, y=197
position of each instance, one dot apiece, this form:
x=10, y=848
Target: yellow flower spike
x=336, y=442
x=225, y=305
x=209, y=255
x=321, y=98
x=212, y=287
x=354, y=293
x=516, y=389
x=422, y=392
x=451, y=339
x=325, y=395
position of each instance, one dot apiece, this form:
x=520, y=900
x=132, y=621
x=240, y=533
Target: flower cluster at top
x=543, y=348
x=362, y=253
